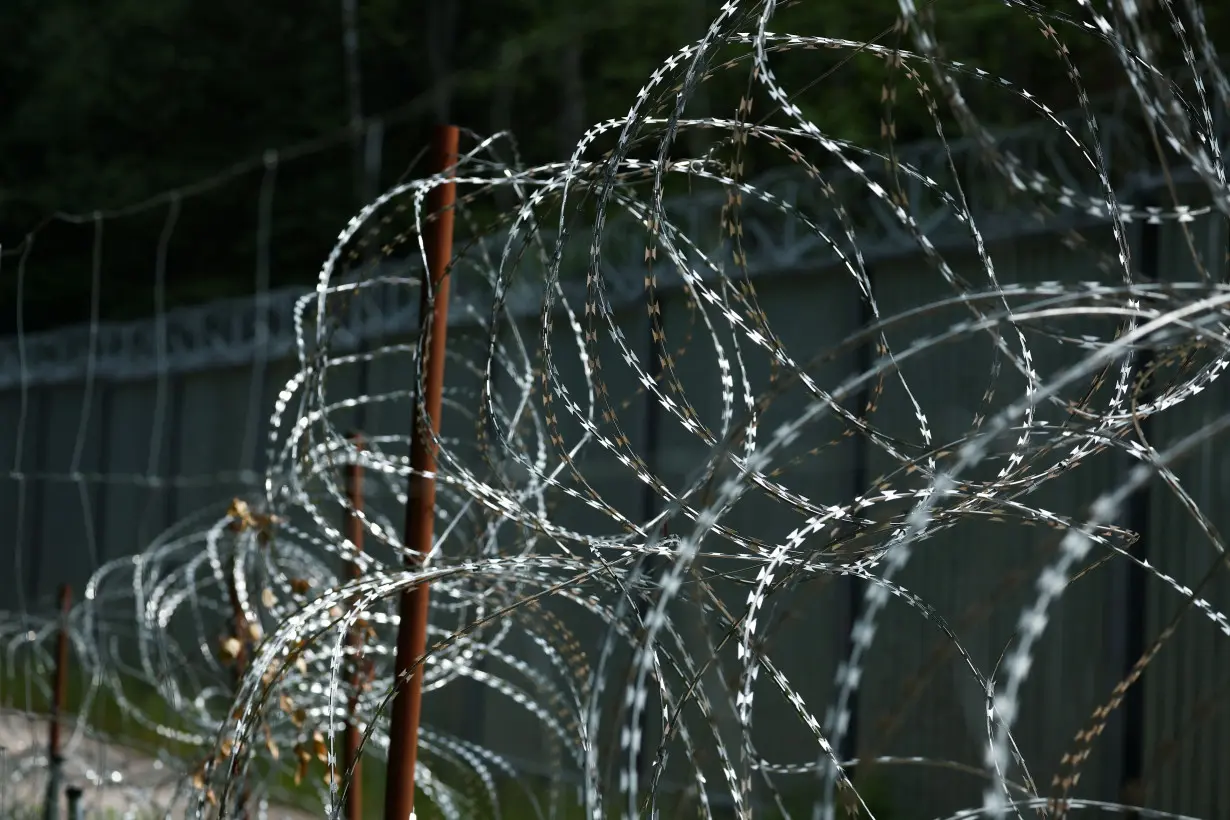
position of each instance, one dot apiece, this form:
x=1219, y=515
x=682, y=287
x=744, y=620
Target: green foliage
x=24, y=687
x=108, y=106
x=526, y=799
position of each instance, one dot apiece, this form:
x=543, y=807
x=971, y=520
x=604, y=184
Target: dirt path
x=114, y=778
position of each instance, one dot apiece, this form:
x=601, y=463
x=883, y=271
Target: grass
x=105, y=714
x=516, y=799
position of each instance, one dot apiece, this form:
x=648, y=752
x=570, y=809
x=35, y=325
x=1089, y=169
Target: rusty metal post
x=421, y=500
x=59, y=691
x=59, y=696
x=354, y=643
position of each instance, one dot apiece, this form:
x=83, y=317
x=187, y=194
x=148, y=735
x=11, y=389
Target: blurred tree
x=107, y=106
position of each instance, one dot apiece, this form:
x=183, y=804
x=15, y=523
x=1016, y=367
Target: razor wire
x=257, y=595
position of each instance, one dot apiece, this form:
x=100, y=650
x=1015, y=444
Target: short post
x=354, y=640
x=421, y=499
x=4, y=781
x=59, y=696
x=55, y=775
x=75, y=810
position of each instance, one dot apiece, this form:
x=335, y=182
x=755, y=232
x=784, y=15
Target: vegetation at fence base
x=26, y=688
x=20, y=691
x=526, y=798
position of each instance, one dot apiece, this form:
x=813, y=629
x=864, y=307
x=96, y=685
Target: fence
x=109, y=450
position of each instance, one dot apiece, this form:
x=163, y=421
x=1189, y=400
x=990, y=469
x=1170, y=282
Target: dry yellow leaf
x=229, y=649
x=272, y=747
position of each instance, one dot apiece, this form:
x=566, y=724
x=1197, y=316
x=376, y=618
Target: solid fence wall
x=152, y=451
x=919, y=698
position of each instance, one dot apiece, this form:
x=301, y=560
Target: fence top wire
x=233, y=332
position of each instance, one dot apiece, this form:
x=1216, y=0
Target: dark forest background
x=105, y=105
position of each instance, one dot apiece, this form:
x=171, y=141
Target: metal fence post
x=75, y=809
x=59, y=693
x=421, y=499
x=353, y=809
x=51, y=802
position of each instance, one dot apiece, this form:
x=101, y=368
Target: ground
x=128, y=777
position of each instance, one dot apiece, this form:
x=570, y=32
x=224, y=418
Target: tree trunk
x=699, y=18
x=506, y=91
x=572, y=105
x=441, y=38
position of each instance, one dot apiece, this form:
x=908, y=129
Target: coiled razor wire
x=259, y=596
